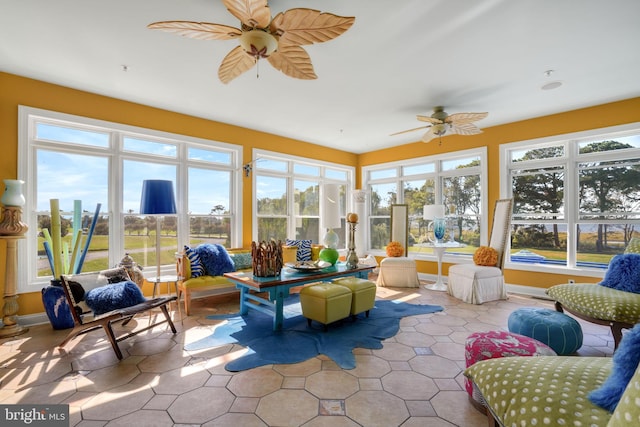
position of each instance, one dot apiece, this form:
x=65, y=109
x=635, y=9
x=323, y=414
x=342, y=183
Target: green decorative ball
x=329, y=255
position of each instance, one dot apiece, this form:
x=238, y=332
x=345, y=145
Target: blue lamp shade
x=157, y=197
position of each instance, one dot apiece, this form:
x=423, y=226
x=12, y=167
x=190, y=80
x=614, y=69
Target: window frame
x=570, y=161
x=291, y=176
x=438, y=174
x=28, y=146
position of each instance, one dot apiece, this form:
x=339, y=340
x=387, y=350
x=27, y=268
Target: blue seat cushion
x=113, y=296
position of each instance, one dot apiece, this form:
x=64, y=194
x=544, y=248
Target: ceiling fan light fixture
x=439, y=129
x=258, y=43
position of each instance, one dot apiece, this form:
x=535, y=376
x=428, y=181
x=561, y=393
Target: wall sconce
x=247, y=169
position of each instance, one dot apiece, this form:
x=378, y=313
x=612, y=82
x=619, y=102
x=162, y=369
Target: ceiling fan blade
x=235, y=63
x=293, y=61
x=465, y=128
x=465, y=117
x=409, y=130
x=429, y=119
x=197, y=30
x=252, y=13
x=428, y=136
x=307, y=26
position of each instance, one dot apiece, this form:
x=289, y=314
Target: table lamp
x=157, y=199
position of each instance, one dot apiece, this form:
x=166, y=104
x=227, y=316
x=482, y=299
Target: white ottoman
x=398, y=272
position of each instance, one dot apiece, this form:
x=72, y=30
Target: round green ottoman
x=557, y=330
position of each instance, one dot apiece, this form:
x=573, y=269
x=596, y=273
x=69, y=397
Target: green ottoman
x=363, y=294
x=325, y=302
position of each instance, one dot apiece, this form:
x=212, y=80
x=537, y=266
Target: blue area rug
x=297, y=342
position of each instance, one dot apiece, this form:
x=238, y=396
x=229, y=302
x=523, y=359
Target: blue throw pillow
x=197, y=269
x=623, y=273
x=113, y=296
x=304, y=249
x=625, y=363
x=215, y=259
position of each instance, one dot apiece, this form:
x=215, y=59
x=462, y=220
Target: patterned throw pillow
x=242, y=260
x=304, y=249
x=197, y=269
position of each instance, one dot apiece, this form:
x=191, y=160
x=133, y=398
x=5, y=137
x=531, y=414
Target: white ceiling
x=399, y=59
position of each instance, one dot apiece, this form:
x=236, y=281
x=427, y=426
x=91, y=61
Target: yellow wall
x=15, y=90
x=616, y=113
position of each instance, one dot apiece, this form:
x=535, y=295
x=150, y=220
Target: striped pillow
x=304, y=249
x=197, y=269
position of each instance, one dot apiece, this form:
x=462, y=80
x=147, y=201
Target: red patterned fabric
x=494, y=344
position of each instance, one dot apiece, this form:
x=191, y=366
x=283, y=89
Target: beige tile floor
x=415, y=380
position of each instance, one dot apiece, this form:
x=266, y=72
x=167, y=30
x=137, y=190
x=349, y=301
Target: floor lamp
x=157, y=199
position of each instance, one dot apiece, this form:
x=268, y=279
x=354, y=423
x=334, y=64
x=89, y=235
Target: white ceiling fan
x=441, y=123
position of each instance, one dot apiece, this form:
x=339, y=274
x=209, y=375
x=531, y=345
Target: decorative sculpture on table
x=11, y=230
x=352, y=257
x=267, y=258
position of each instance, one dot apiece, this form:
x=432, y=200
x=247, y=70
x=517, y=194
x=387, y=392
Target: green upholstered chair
x=550, y=390
x=187, y=284
x=598, y=304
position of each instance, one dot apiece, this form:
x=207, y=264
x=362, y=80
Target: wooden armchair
x=76, y=288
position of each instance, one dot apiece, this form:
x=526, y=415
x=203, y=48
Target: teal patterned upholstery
x=543, y=390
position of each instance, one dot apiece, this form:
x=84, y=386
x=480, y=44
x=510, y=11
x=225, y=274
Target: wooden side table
x=10, y=326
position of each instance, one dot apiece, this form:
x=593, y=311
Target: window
x=289, y=190
x=95, y=170
x=455, y=180
x=576, y=198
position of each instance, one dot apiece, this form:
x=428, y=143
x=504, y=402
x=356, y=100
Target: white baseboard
x=513, y=289
x=31, y=319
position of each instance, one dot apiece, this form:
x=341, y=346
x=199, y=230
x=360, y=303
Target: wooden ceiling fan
x=279, y=40
x=441, y=123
